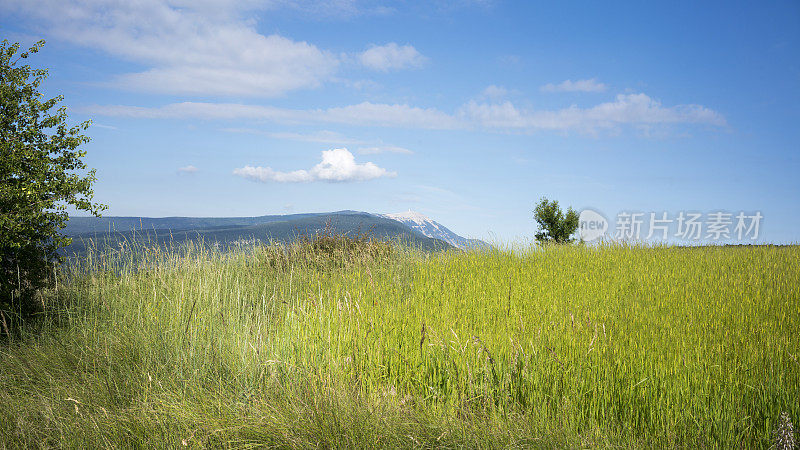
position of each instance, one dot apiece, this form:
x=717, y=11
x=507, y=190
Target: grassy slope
x=565, y=346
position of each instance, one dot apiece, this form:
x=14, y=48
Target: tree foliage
x=554, y=225
x=41, y=175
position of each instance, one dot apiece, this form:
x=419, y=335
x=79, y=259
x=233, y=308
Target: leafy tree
x=554, y=226
x=41, y=175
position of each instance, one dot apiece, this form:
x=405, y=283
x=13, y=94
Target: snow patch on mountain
x=410, y=216
x=433, y=229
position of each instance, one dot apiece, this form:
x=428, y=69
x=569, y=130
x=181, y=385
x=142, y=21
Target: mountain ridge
x=228, y=231
x=432, y=229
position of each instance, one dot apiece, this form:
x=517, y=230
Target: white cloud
x=361, y=85
x=323, y=136
x=381, y=114
x=494, y=115
x=384, y=149
x=338, y=165
x=107, y=127
x=391, y=57
x=626, y=109
x=188, y=47
x=590, y=85
x=493, y=92
x=332, y=9
x=187, y=169
x=266, y=174
x=363, y=114
x=197, y=110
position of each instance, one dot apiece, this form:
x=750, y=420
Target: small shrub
x=329, y=248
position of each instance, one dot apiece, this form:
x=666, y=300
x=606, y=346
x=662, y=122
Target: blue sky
x=466, y=111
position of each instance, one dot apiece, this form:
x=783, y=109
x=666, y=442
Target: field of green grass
x=369, y=346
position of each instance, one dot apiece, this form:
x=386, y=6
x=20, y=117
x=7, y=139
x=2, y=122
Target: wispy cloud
x=107, y=127
x=188, y=47
x=590, y=85
x=188, y=169
x=337, y=165
x=384, y=149
x=381, y=114
x=494, y=92
x=625, y=110
x=363, y=114
x=326, y=137
x=391, y=57
x=323, y=136
x=332, y=9
x=197, y=110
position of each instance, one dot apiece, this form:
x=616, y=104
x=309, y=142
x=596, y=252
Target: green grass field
x=561, y=346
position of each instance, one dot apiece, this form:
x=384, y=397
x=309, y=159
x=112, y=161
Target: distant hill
x=226, y=231
x=435, y=230
x=82, y=225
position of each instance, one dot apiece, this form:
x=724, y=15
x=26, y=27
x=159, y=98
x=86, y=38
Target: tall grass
x=307, y=346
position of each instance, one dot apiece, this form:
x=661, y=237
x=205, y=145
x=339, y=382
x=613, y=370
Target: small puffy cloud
x=391, y=57
x=384, y=149
x=338, y=165
x=590, y=85
x=187, y=169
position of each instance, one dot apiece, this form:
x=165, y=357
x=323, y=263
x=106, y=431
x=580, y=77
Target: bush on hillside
x=328, y=248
